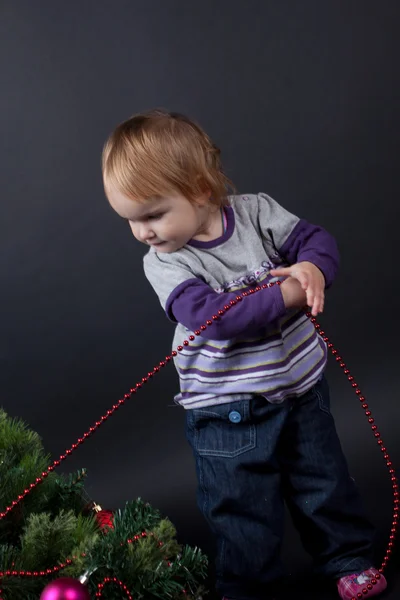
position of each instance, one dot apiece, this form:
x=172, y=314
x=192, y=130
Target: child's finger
x=310, y=297
x=318, y=305
x=280, y=272
x=303, y=280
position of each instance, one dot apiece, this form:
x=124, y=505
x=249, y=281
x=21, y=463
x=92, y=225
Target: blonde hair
x=157, y=153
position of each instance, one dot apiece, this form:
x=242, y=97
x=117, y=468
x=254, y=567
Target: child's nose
x=145, y=232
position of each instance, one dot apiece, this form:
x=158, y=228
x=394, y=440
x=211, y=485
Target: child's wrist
x=293, y=294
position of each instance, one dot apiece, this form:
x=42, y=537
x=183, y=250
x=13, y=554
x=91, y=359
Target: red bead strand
x=156, y=369
x=69, y=561
x=378, y=437
x=108, y=580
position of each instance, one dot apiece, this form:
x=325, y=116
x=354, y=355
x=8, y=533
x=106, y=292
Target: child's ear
x=204, y=198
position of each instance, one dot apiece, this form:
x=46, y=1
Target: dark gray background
x=303, y=98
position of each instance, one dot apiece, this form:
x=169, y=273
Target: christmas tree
x=55, y=532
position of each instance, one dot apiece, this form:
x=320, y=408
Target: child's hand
x=293, y=294
x=312, y=281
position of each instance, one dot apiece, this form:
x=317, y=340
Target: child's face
x=166, y=223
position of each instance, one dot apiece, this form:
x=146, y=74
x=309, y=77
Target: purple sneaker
x=361, y=585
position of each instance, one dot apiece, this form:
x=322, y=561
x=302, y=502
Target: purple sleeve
x=314, y=244
x=194, y=302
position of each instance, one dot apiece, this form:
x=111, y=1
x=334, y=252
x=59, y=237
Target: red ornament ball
x=65, y=588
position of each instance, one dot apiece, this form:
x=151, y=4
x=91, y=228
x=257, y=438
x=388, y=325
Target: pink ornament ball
x=65, y=588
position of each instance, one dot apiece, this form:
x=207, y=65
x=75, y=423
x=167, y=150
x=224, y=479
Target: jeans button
x=235, y=417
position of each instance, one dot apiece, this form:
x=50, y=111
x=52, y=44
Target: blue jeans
x=251, y=456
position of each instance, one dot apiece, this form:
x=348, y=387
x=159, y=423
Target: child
x=252, y=384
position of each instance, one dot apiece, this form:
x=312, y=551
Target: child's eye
x=154, y=217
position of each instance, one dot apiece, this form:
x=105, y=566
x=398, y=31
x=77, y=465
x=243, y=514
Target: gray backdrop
x=303, y=98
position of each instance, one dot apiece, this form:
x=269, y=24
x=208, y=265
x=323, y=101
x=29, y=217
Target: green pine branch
x=53, y=523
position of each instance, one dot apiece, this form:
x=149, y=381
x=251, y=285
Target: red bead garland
x=386, y=456
x=108, y=580
x=69, y=561
x=145, y=379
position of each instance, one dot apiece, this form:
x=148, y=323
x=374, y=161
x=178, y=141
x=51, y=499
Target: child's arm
x=296, y=240
x=189, y=300
x=312, y=244
x=311, y=251
x=311, y=280
x=196, y=302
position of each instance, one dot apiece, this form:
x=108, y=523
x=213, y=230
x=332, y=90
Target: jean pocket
x=321, y=390
x=223, y=430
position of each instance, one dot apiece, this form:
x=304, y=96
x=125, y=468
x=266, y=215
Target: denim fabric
x=251, y=456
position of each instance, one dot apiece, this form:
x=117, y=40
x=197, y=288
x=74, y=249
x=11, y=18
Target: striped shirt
x=258, y=347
